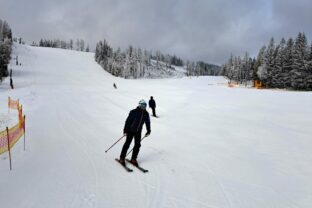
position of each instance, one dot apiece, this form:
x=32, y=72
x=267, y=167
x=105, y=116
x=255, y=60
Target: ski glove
x=148, y=133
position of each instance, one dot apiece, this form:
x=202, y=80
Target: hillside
x=212, y=146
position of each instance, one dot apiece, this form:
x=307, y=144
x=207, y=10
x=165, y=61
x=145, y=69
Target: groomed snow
x=212, y=146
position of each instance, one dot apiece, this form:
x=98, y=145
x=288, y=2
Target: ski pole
x=115, y=143
x=132, y=148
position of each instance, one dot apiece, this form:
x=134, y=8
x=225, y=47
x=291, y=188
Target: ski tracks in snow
x=169, y=185
x=65, y=118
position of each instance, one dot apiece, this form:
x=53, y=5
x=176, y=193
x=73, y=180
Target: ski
x=123, y=165
x=137, y=166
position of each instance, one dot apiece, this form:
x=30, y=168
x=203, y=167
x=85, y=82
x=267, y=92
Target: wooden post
x=9, y=105
x=7, y=129
x=24, y=132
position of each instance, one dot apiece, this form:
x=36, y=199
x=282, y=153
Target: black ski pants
x=154, y=113
x=137, y=145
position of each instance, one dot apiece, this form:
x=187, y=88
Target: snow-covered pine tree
x=237, y=69
x=77, y=45
x=128, y=68
x=231, y=67
x=288, y=64
x=253, y=70
x=250, y=69
x=190, y=68
x=277, y=77
x=71, y=44
x=245, y=69
x=300, y=67
x=82, y=45
x=260, y=64
x=146, y=61
x=5, y=47
x=269, y=59
x=119, y=62
x=309, y=76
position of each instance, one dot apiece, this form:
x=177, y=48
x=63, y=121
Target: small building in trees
x=258, y=84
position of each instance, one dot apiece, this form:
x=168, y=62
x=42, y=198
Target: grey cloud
x=208, y=30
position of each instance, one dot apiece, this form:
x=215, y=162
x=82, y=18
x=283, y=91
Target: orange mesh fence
x=13, y=104
x=20, y=114
x=3, y=142
x=15, y=132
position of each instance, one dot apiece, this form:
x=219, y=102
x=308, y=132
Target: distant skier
x=11, y=83
x=152, y=105
x=133, y=128
x=11, y=80
x=115, y=86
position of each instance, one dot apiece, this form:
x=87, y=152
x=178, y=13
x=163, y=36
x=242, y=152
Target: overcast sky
x=208, y=30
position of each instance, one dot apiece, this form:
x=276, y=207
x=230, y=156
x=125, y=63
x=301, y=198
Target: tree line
x=137, y=63
x=286, y=65
x=78, y=45
x=5, y=48
x=134, y=62
x=201, y=68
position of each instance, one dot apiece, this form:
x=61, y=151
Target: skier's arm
x=148, y=125
x=128, y=122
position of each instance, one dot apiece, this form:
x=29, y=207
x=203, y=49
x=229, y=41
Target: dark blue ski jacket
x=134, y=123
x=152, y=103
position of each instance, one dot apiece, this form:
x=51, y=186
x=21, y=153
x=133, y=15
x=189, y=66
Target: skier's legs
x=154, y=113
x=126, y=146
x=137, y=145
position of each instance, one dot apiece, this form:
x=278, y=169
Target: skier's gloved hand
x=124, y=132
x=148, y=133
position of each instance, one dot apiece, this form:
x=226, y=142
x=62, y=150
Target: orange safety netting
x=13, y=104
x=14, y=133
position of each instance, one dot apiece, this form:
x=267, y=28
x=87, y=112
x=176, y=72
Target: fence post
x=9, y=105
x=24, y=121
x=7, y=129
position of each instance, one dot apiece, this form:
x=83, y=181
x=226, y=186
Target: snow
x=212, y=146
x=161, y=70
x=7, y=119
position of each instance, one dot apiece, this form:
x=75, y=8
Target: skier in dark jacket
x=152, y=105
x=133, y=128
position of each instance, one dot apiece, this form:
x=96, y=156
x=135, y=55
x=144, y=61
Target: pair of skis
x=129, y=169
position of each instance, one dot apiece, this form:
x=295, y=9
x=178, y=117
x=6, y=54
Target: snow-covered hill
x=212, y=146
x=161, y=69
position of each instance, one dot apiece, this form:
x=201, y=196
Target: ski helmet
x=142, y=104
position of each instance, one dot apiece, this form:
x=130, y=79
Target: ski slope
x=212, y=147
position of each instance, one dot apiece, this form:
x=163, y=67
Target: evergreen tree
x=277, y=78
x=269, y=59
x=225, y=69
x=82, y=45
x=5, y=48
x=253, y=69
x=260, y=64
x=300, y=67
x=71, y=44
x=288, y=63
x=309, y=76
x=245, y=69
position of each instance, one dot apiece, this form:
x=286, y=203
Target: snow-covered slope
x=162, y=70
x=212, y=146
